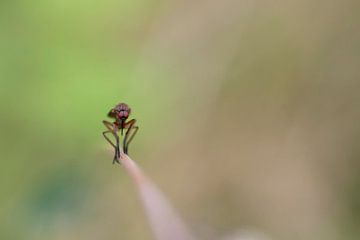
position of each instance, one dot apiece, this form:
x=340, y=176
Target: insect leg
x=108, y=139
x=113, y=129
x=129, y=135
x=135, y=129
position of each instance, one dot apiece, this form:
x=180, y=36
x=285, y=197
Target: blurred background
x=248, y=112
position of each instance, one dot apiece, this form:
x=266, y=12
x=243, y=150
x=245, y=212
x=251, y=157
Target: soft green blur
x=249, y=115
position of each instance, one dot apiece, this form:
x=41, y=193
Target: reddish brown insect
x=120, y=113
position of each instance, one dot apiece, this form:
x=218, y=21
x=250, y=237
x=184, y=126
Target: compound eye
x=123, y=114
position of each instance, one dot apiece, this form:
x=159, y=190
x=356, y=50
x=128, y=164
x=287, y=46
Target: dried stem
x=166, y=224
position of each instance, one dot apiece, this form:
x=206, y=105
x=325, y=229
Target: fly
x=120, y=114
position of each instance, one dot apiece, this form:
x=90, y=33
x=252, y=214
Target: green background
x=248, y=112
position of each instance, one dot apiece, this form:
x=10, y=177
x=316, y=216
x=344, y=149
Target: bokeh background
x=248, y=112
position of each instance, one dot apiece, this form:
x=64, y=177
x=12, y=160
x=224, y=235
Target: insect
x=120, y=114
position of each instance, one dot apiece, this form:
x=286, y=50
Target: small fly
x=120, y=114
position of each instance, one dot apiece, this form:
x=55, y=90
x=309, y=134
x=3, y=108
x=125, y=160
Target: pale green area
x=64, y=64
